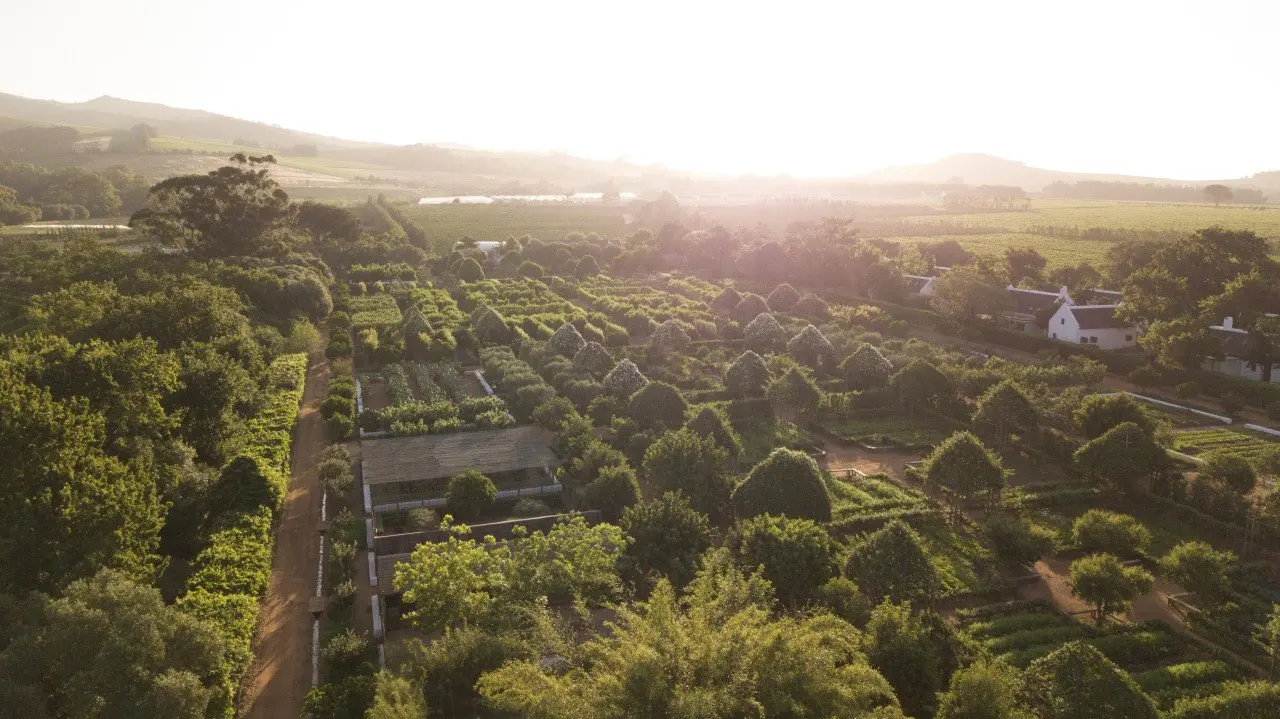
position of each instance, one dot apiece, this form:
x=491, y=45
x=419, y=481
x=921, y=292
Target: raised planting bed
x=1239, y=442
x=893, y=431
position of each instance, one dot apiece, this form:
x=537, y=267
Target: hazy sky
x=1162, y=88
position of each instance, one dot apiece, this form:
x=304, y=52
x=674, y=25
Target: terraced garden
x=1166, y=665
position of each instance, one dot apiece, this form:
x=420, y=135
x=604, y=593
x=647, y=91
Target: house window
x=1084, y=340
x=1128, y=338
x=1062, y=320
x=1093, y=340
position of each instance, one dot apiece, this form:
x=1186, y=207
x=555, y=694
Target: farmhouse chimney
x=1227, y=323
x=1062, y=293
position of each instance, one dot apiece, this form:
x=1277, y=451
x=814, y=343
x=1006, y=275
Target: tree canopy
x=787, y=482
x=893, y=563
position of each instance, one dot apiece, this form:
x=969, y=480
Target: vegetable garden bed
x=893, y=430
x=1250, y=445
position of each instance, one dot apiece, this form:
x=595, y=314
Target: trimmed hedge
x=230, y=575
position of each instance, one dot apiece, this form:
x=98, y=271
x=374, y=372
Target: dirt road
x=280, y=676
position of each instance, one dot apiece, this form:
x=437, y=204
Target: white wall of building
x=1064, y=327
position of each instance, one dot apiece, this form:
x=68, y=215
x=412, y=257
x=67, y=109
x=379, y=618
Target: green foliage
x=984, y=690
x=109, y=644
x=667, y=538
x=1101, y=530
x=747, y=376
x=624, y=380
x=1238, y=700
x=234, y=210
x=1200, y=568
x=245, y=484
x=669, y=337
x=764, y=333
x=594, y=359
x=657, y=405
x=470, y=494
x=717, y=655
x=794, y=395
x=1231, y=470
x=530, y=269
x=810, y=347
x=228, y=580
x=567, y=341
x=683, y=461
x=892, y=563
x=613, y=491
x=67, y=507
x=812, y=307
x=1077, y=682
x=866, y=368
x=920, y=384
x=396, y=698
x=726, y=300
x=470, y=270
x=1100, y=413
x=963, y=465
x=783, y=298
x=916, y=653
x=787, y=483
x=1123, y=454
x=448, y=668
x=712, y=422
x=1103, y=581
x=1018, y=540
x=1005, y=409
x=795, y=555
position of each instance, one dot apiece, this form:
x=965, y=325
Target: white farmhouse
x=1235, y=344
x=1026, y=307
x=919, y=284
x=1095, y=325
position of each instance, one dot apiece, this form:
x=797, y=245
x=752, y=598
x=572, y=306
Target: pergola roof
x=432, y=456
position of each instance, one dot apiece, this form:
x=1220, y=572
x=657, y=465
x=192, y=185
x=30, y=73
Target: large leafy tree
x=1024, y=265
x=1101, y=530
x=892, y=563
x=1122, y=456
x=657, y=405
x=716, y=654
x=687, y=462
x=793, y=395
x=107, y=647
x=966, y=292
x=866, y=368
x=795, y=555
x=231, y=211
x=920, y=384
x=1100, y=412
x=917, y=653
x=747, y=376
x=984, y=690
x=1076, y=681
x=787, y=482
x=1107, y=584
x=963, y=465
x=67, y=508
x=1003, y=410
x=668, y=536
x=1200, y=568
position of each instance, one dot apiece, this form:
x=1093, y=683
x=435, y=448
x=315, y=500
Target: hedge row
x=230, y=575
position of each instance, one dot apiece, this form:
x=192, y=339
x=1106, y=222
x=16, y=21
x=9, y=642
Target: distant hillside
x=110, y=113
x=977, y=169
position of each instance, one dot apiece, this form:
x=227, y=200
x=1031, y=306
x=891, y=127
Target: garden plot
x=1166, y=666
x=375, y=311
x=640, y=308
x=889, y=431
x=1250, y=445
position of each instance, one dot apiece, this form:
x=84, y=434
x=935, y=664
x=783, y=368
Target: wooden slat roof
x=432, y=456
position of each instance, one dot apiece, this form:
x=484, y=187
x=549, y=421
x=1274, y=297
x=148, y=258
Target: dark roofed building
x=1027, y=306
x=409, y=472
x=1235, y=344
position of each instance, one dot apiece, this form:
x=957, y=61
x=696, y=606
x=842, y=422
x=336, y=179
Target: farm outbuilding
x=411, y=472
x=1095, y=325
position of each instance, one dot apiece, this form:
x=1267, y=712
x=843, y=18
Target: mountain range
x=460, y=168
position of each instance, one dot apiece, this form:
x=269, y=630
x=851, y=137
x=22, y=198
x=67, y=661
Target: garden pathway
x=280, y=676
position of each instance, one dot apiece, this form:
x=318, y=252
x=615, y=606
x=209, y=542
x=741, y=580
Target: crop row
x=376, y=311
